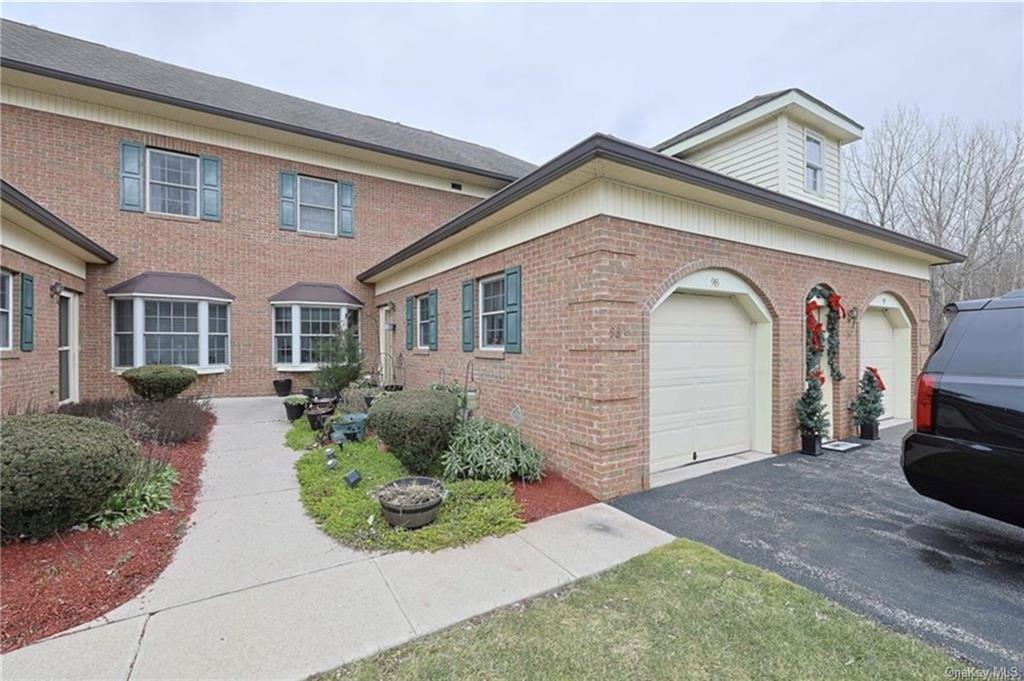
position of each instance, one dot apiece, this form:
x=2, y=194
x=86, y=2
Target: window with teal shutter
x=287, y=184
x=409, y=301
x=432, y=329
x=346, y=209
x=513, y=310
x=132, y=197
x=210, y=189
x=467, y=315
x=28, y=312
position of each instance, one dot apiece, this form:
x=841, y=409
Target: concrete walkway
x=256, y=591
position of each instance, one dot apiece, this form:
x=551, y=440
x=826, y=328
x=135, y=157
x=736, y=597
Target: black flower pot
x=810, y=443
x=294, y=411
x=283, y=387
x=869, y=431
x=318, y=415
x=412, y=516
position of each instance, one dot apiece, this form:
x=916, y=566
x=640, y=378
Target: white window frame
x=226, y=334
x=139, y=331
x=299, y=204
x=820, y=168
x=482, y=314
x=296, y=332
x=7, y=281
x=149, y=180
x=422, y=322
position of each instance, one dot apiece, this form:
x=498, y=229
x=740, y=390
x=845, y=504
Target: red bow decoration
x=818, y=374
x=814, y=326
x=878, y=378
x=834, y=302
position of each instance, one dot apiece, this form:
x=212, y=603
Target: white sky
x=531, y=80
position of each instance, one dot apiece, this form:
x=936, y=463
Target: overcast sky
x=532, y=80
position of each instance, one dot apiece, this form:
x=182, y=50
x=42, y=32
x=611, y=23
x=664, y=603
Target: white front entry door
x=701, y=379
x=878, y=349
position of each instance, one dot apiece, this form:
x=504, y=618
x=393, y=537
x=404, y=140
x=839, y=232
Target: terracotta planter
x=414, y=515
x=869, y=431
x=283, y=387
x=810, y=443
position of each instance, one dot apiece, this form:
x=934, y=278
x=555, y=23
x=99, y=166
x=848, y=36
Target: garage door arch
x=710, y=342
x=885, y=343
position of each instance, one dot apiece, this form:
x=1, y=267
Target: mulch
x=76, y=576
x=553, y=494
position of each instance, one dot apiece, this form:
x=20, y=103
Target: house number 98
x=715, y=283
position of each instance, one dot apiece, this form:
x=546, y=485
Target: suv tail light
x=924, y=409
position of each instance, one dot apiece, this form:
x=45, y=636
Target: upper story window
x=172, y=183
x=6, y=318
x=318, y=202
x=423, y=322
x=492, y=313
x=814, y=155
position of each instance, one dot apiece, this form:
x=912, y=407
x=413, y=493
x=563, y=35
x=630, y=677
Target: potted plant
x=318, y=413
x=294, y=406
x=812, y=415
x=867, y=405
x=283, y=387
x=411, y=502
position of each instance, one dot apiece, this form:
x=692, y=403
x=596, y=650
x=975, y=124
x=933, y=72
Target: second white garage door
x=700, y=379
x=878, y=349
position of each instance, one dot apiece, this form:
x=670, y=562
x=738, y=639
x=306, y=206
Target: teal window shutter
x=210, y=173
x=409, y=301
x=132, y=191
x=346, y=209
x=513, y=310
x=288, y=199
x=468, y=321
x=28, y=312
x=432, y=327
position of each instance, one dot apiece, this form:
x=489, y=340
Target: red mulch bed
x=74, y=577
x=553, y=494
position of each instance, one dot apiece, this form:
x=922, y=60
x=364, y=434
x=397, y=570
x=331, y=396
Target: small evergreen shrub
x=341, y=362
x=811, y=411
x=483, y=449
x=58, y=470
x=159, y=382
x=416, y=425
x=867, y=405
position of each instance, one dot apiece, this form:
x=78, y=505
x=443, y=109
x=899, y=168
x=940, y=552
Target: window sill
x=295, y=368
x=421, y=352
x=316, y=235
x=172, y=218
x=202, y=371
x=488, y=354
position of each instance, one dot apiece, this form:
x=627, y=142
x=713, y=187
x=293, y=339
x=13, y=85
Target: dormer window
x=814, y=175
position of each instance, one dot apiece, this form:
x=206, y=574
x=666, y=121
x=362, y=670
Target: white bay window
x=173, y=331
x=301, y=331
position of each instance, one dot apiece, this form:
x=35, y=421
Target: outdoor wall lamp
x=56, y=288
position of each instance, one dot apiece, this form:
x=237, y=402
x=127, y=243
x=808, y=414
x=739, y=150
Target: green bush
x=148, y=491
x=353, y=398
x=483, y=449
x=57, y=470
x=416, y=425
x=159, y=382
x=341, y=363
x=296, y=399
x=170, y=421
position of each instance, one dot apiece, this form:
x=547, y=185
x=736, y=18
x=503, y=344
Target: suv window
x=983, y=343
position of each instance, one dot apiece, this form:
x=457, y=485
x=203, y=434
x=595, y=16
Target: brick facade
x=29, y=380
x=70, y=166
x=588, y=291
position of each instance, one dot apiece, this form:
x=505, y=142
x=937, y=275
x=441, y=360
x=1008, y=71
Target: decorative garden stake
x=813, y=417
x=867, y=406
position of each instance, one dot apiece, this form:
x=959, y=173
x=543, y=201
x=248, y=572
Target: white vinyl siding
x=751, y=155
x=796, y=166
x=6, y=315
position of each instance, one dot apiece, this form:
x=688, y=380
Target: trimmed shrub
x=168, y=422
x=488, y=450
x=57, y=470
x=341, y=363
x=159, y=382
x=416, y=425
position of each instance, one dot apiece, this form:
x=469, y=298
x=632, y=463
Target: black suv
x=967, y=446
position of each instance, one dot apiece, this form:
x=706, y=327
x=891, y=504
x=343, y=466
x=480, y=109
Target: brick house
x=637, y=308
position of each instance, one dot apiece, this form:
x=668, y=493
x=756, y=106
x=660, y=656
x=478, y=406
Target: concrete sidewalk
x=256, y=591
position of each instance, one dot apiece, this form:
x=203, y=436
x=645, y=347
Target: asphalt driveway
x=849, y=527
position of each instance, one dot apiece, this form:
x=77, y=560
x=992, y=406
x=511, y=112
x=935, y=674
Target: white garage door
x=878, y=349
x=701, y=379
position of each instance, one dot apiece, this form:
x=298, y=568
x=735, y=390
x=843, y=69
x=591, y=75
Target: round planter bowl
x=415, y=515
x=283, y=387
x=294, y=411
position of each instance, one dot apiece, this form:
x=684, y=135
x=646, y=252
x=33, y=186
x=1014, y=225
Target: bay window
x=301, y=332
x=182, y=332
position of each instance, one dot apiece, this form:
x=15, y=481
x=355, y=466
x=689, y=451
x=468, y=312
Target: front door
x=67, y=347
x=387, y=336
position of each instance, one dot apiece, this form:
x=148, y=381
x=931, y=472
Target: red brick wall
x=28, y=380
x=587, y=295
x=70, y=166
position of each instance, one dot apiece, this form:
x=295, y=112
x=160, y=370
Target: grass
x=683, y=611
x=300, y=436
x=473, y=510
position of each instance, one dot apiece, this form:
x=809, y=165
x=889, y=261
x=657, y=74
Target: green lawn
x=683, y=611
x=473, y=510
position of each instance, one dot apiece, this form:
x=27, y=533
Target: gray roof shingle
x=37, y=50
x=311, y=292
x=169, y=284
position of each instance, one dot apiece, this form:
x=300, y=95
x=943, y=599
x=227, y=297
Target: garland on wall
x=816, y=344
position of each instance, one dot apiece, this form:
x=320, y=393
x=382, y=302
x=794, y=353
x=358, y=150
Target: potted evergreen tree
x=813, y=417
x=867, y=405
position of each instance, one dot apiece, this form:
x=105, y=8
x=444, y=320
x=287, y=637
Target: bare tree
x=960, y=188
